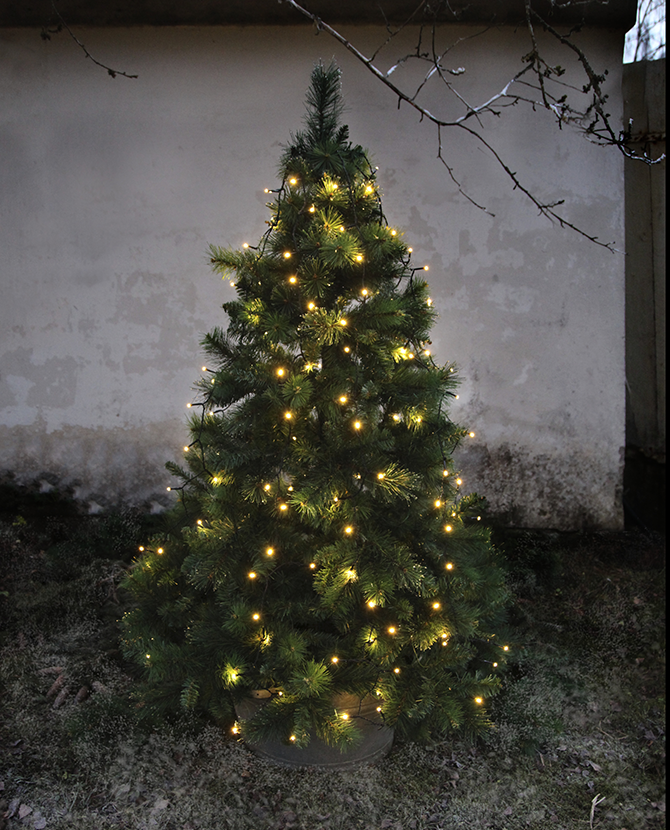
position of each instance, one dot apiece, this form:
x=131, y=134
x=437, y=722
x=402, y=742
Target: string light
x=357, y=425
x=288, y=415
x=380, y=476
x=310, y=307
x=293, y=279
x=348, y=530
x=312, y=209
x=479, y=700
x=312, y=565
x=449, y=566
x=293, y=181
x=471, y=434
x=345, y=716
x=342, y=399
x=372, y=604
x=287, y=255
x=438, y=503
x=281, y=372
x=394, y=232
x=343, y=322
x=159, y=551
x=396, y=670
x=334, y=659
x=270, y=552
x=347, y=349
x=459, y=481
x=436, y=606
x=283, y=506
x=448, y=528
x=255, y=617
x=252, y=575
x=359, y=258
x=391, y=629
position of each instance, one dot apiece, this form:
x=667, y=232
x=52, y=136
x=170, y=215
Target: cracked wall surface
x=112, y=189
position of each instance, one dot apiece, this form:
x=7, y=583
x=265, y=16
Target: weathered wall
x=111, y=190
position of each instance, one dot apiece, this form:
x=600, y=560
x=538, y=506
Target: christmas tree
x=322, y=545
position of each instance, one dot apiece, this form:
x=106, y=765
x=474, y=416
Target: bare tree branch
x=593, y=121
x=46, y=35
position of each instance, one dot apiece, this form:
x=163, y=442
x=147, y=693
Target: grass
x=579, y=739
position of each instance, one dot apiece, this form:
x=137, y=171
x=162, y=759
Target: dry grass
x=579, y=741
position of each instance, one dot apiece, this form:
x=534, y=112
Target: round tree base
x=376, y=743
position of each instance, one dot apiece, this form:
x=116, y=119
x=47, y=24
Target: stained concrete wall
x=111, y=190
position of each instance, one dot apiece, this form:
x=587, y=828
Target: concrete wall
x=111, y=189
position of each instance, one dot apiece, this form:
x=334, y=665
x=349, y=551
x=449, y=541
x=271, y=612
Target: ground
x=579, y=739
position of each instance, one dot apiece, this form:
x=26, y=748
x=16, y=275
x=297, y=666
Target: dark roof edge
x=616, y=14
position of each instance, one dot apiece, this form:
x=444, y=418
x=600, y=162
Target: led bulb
x=287, y=255
x=270, y=552
x=449, y=566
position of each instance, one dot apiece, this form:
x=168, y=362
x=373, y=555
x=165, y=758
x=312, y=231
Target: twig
x=111, y=72
x=596, y=801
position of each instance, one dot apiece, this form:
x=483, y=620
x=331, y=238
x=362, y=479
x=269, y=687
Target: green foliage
x=321, y=545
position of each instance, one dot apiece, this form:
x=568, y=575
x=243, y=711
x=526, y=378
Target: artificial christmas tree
x=322, y=546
